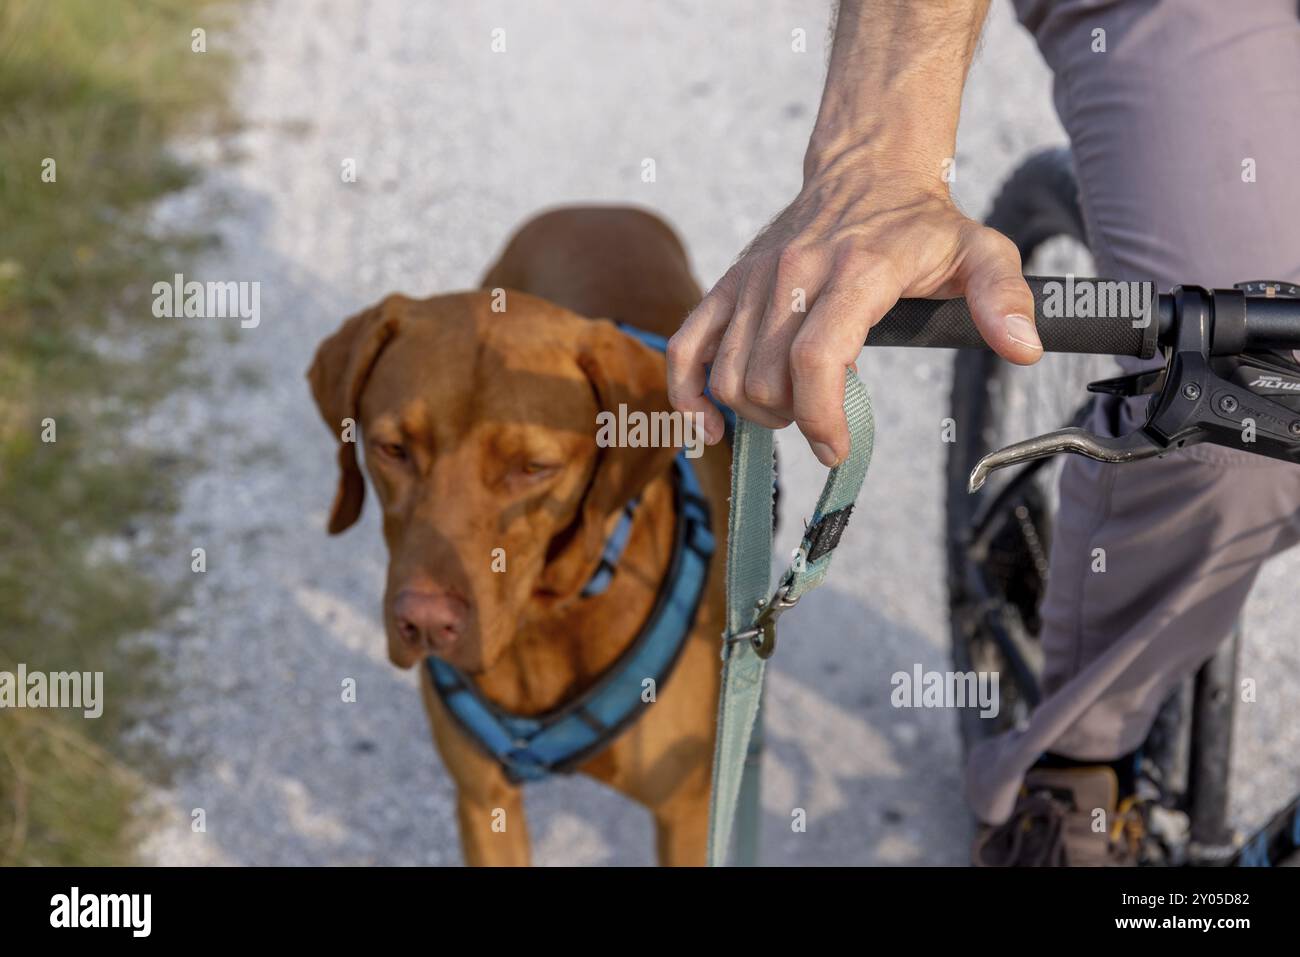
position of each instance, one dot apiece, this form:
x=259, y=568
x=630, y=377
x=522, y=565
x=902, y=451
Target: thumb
x=999, y=298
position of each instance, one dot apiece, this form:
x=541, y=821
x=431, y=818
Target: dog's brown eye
x=393, y=450
x=537, y=468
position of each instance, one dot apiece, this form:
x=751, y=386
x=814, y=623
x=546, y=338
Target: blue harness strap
x=612, y=552
x=529, y=748
x=660, y=344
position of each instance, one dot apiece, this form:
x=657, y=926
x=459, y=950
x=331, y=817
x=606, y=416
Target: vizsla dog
x=478, y=416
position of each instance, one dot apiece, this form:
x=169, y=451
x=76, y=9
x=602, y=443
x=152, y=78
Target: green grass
x=97, y=87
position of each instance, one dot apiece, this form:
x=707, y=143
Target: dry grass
x=97, y=87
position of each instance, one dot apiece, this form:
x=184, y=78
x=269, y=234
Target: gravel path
x=455, y=145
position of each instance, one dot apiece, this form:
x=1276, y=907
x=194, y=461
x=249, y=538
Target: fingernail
x=1020, y=329
x=825, y=454
x=712, y=433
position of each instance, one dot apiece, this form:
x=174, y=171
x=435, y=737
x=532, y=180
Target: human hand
x=786, y=320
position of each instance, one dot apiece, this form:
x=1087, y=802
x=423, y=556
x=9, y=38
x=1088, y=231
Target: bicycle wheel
x=999, y=538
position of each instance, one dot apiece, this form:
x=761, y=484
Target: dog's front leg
x=493, y=830
x=682, y=829
x=489, y=809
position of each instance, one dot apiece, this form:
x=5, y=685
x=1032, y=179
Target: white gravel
x=454, y=146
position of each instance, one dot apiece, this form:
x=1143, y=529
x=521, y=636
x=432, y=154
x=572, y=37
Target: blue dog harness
x=528, y=748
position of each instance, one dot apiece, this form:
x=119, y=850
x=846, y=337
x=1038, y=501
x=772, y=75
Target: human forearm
x=894, y=84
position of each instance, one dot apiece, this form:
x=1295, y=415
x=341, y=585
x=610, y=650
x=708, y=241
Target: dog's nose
x=429, y=621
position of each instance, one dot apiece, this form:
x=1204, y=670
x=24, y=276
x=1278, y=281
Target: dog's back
x=612, y=262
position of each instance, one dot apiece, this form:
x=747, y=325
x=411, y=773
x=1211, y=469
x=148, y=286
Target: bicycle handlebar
x=1221, y=382
x=1101, y=317
x=1119, y=321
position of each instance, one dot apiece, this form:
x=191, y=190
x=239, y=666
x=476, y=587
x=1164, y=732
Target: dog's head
x=479, y=434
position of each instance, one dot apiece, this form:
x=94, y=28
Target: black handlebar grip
x=1094, y=316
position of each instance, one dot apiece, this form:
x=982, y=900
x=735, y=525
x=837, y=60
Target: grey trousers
x=1186, y=135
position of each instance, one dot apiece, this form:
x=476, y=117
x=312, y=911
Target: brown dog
x=479, y=427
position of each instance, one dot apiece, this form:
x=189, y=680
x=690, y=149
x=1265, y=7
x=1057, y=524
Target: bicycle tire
x=1038, y=203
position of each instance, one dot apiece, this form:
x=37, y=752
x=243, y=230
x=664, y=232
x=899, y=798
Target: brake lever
x=1126, y=448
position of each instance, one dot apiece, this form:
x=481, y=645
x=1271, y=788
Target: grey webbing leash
x=752, y=611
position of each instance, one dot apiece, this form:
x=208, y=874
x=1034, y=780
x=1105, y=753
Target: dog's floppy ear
x=338, y=375
x=622, y=371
